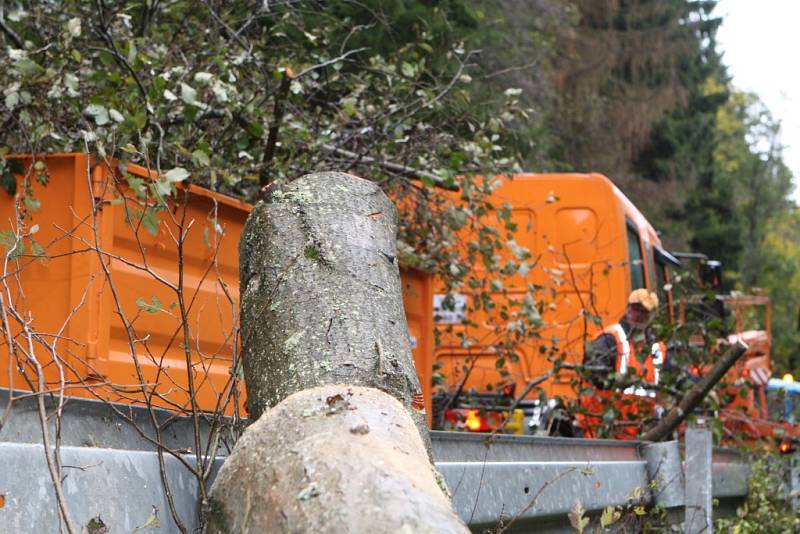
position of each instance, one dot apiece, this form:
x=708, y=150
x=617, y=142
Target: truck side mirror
x=711, y=274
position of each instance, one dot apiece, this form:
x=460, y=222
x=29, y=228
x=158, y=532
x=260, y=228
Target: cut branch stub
x=321, y=294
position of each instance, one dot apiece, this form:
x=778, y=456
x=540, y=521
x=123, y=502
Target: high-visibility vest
x=627, y=360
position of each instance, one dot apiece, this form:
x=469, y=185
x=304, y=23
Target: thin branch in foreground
x=389, y=165
x=11, y=34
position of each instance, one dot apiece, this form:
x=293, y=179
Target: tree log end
x=331, y=459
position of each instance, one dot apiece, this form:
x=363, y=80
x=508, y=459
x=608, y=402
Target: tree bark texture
x=321, y=295
x=332, y=459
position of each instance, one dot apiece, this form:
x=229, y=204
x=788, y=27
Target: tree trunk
x=323, y=326
x=321, y=294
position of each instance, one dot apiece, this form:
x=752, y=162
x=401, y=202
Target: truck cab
x=588, y=248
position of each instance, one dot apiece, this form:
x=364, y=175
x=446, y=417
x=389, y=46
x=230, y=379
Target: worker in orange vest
x=619, y=349
x=615, y=349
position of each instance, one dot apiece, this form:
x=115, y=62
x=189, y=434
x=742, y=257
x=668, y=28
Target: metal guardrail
x=110, y=474
x=538, y=480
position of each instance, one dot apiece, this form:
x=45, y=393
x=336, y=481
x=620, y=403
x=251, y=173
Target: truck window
x=650, y=267
x=661, y=279
x=664, y=260
x=635, y=258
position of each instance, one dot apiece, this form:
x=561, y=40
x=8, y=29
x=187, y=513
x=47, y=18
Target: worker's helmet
x=647, y=299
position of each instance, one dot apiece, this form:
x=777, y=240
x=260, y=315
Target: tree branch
x=272, y=138
x=11, y=34
x=389, y=165
x=532, y=384
x=695, y=395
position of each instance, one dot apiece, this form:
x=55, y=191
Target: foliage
x=780, y=275
x=766, y=509
x=241, y=95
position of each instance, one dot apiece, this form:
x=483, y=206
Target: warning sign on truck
x=449, y=308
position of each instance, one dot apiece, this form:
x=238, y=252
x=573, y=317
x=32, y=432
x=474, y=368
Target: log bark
x=321, y=307
x=332, y=459
x=695, y=396
x=321, y=294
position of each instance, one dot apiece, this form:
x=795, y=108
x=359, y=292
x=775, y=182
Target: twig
x=11, y=34
x=532, y=502
x=389, y=165
x=120, y=312
x=52, y=463
x=337, y=59
x=532, y=384
x=510, y=69
x=277, y=115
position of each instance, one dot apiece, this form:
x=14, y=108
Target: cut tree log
x=321, y=295
x=331, y=459
x=341, y=443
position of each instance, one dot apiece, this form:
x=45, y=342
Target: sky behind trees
x=757, y=38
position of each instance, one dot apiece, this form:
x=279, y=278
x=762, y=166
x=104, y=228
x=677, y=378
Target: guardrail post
x=698, y=481
x=794, y=481
x=665, y=473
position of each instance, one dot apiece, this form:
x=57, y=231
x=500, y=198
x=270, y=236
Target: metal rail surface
x=537, y=480
x=112, y=472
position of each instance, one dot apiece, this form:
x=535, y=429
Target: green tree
x=780, y=276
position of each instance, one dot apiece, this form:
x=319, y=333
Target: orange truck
x=591, y=247
x=94, y=289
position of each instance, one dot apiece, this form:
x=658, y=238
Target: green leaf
x=151, y=220
x=32, y=203
x=178, y=174
x=98, y=113
x=189, y=95
x=28, y=67
x=9, y=241
x=9, y=183
x=74, y=27
x=255, y=129
x=154, y=306
x=162, y=187
x=37, y=250
x=16, y=166
x=201, y=158
x=132, y=52
x=609, y=517
x=137, y=185
x=151, y=523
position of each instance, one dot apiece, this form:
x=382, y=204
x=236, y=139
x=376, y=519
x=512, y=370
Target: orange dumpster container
x=91, y=294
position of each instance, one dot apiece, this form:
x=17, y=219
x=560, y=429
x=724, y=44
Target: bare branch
x=11, y=34
x=388, y=165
